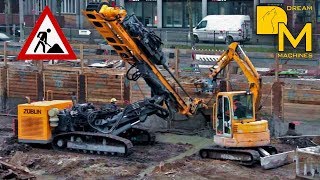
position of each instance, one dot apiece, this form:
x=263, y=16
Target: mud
x=195, y=168
x=172, y=157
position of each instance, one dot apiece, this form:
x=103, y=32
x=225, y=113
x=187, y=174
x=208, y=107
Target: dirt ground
x=172, y=157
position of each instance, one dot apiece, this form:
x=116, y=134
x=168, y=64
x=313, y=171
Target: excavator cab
x=235, y=121
x=233, y=108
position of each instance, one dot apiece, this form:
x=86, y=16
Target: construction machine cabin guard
x=86, y=128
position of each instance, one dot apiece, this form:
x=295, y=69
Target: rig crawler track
x=139, y=136
x=92, y=143
x=103, y=144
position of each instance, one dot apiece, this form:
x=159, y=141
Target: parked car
x=104, y=48
x=223, y=28
x=16, y=32
x=4, y=37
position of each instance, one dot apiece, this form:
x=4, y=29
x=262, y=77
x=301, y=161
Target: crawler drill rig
x=88, y=129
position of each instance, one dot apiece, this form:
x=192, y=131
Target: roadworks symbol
x=46, y=41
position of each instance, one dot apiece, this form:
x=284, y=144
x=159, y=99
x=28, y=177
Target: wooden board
x=101, y=88
x=301, y=112
x=61, y=83
x=22, y=83
x=302, y=96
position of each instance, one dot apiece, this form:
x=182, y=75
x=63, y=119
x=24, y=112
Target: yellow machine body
x=239, y=132
x=33, y=120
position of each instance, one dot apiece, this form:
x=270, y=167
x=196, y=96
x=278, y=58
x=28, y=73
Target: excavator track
x=139, y=136
x=92, y=143
x=245, y=156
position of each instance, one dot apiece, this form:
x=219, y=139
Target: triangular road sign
x=46, y=41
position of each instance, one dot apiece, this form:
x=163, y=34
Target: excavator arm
x=235, y=53
x=141, y=48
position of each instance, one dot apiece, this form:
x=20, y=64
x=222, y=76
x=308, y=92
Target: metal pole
x=21, y=19
x=34, y=12
x=7, y=14
x=214, y=38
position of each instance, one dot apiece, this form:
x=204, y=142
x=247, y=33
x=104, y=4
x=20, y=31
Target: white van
x=223, y=28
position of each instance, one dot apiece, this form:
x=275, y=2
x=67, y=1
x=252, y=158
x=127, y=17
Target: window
x=42, y=4
x=135, y=8
x=222, y=8
x=196, y=13
x=150, y=14
x=176, y=13
x=203, y=24
x=68, y=6
x=146, y=11
x=230, y=7
x=242, y=106
x=172, y=14
x=90, y=1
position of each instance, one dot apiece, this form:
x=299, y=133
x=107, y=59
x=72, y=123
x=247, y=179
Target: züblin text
x=32, y=111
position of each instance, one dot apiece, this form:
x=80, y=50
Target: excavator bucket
x=277, y=160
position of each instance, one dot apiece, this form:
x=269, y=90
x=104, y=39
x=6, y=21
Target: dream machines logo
x=273, y=20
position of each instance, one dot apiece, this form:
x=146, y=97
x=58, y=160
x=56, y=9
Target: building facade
x=175, y=13
x=152, y=13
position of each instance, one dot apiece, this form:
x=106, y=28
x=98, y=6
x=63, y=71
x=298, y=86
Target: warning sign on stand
x=46, y=41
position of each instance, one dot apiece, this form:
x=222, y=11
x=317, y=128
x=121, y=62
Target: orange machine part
x=33, y=120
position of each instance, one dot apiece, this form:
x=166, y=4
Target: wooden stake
x=81, y=58
x=176, y=58
x=276, y=71
x=5, y=44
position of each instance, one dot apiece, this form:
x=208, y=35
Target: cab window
x=202, y=24
x=242, y=106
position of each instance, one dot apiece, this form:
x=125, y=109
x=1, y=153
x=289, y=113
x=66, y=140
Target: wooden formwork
x=21, y=83
x=301, y=104
x=302, y=96
x=62, y=84
x=100, y=88
x=3, y=75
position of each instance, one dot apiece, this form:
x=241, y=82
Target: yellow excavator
x=88, y=129
x=239, y=136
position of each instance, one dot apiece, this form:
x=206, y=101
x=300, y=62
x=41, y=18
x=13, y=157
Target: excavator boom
x=235, y=53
